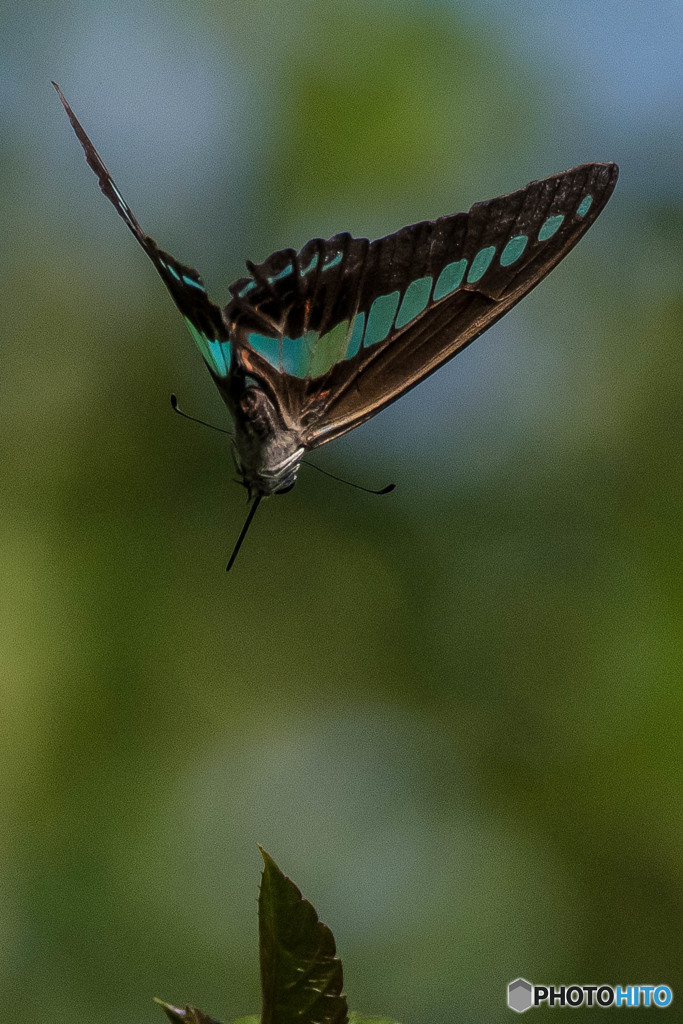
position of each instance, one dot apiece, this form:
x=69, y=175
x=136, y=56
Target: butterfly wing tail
x=203, y=317
x=103, y=176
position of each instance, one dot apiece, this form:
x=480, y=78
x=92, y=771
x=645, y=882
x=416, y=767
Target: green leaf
x=301, y=978
x=190, y=1015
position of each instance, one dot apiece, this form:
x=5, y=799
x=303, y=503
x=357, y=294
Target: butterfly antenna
x=238, y=545
x=174, y=404
x=359, y=487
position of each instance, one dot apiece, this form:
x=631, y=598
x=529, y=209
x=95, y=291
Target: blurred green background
x=452, y=715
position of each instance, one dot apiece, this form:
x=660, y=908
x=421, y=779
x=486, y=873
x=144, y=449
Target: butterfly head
x=267, y=455
x=271, y=478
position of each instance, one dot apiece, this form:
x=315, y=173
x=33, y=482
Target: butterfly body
x=314, y=343
x=267, y=452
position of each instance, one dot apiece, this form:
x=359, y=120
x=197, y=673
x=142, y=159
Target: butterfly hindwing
x=345, y=327
x=204, y=319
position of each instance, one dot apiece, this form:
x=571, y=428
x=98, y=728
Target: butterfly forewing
x=368, y=321
x=204, y=319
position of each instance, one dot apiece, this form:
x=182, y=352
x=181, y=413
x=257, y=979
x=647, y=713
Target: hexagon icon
x=520, y=995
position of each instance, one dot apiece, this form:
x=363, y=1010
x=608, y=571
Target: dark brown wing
x=389, y=313
x=203, y=317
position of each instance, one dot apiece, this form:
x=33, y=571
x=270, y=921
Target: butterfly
x=315, y=342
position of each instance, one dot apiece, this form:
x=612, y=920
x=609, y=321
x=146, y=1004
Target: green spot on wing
x=311, y=266
x=481, y=263
x=310, y=355
x=215, y=353
x=333, y=263
x=449, y=279
x=584, y=206
x=381, y=317
x=356, y=336
x=267, y=347
x=513, y=250
x=220, y=351
x=283, y=273
x=549, y=227
x=414, y=301
x=329, y=349
x=296, y=354
x=192, y=283
x=291, y=355
x=200, y=342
